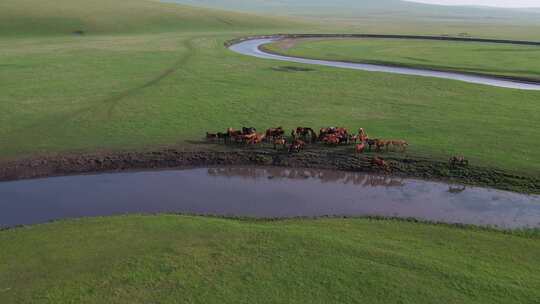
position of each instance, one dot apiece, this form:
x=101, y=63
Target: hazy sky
x=498, y=3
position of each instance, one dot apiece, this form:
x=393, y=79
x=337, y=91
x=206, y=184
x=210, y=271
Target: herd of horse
x=302, y=136
x=332, y=136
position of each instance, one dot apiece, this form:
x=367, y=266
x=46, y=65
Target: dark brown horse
x=280, y=142
x=306, y=134
x=247, y=131
x=340, y=132
x=211, y=136
x=223, y=136
x=458, y=161
x=275, y=133
x=297, y=146
x=331, y=139
x=371, y=143
x=360, y=148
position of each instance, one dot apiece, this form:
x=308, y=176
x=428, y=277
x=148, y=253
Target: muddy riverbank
x=72, y=164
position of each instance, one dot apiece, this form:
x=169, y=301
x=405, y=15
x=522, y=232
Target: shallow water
x=251, y=48
x=261, y=192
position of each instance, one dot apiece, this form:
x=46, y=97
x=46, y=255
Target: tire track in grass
x=114, y=100
x=108, y=104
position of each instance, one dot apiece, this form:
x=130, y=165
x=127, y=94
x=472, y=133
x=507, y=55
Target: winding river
x=264, y=192
x=252, y=48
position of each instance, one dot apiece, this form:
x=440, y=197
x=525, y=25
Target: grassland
x=179, y=259
x=161, y=76
x=518, y=61
x=127, y=91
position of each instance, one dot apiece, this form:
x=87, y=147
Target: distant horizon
x=490, y=3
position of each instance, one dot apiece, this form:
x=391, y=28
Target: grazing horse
x=256, y=138
x=297, y=146
x=233, y=133
x=305, y=132
x=362, y=135
x=244, y=138
x=280, y=142
x=275, y=132
x=247, y=131
x=401, y=144
x=343, y=138
x=380, y=143
x=331, y=139
x=458, y=161
x=371, y=143
x=293, y=135
x=333, y=134
x=380, y=163
x=323, y=132
x=223, y=136
x=211, y=136
x=360, y=148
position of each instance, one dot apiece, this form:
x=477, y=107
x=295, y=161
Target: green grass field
x=126, y=86
x=485, y=58
x=178, y=259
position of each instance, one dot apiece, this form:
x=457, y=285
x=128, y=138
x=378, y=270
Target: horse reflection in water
x=324, y=176
x=456, y=189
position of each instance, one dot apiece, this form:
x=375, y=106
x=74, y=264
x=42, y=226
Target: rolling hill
x=31, y=17
x=354, y=9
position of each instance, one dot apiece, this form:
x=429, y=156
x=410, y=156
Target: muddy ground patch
x=71, y=164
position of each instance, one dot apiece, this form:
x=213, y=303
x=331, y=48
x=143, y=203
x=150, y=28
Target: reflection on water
x=457, y=189
x=262, y=192
x=324, y=176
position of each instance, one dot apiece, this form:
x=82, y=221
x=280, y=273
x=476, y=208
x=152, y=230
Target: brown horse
x=381, y=143
x=256, y=138
x=401, y=144
x=371, y=143
x=297, y=146
x=362, y=135
x=331, y=139
x=280, y=142
x=306, y=134
x=458, y=161
x=380, y=163
x=360, y=148
x=233, y=133
x=248, y=130
x=244, y=138
x=294, y=136
x=274, y=132
x=223, y=136
x=211, y=136
x=323, y=132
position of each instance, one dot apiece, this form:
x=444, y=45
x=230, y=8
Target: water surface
x=261, y=192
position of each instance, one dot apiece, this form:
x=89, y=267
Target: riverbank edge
x=171, y=158
x=530, y=233
x=525, y=80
